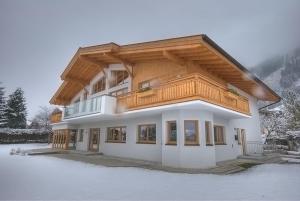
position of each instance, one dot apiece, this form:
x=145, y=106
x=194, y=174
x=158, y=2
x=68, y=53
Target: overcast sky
x=38, y=38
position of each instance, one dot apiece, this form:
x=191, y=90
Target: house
x=182, y=102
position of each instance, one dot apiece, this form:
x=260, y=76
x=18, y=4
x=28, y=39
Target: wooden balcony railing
x=56, y=117
x=191, y=87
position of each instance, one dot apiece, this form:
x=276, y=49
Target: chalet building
x=182, y=102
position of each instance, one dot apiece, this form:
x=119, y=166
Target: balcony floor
x=190, y=105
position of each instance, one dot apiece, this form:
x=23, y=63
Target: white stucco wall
x=201, y=156
x=252, y=124
x=130, y=149
x=231, y=149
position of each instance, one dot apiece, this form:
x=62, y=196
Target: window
x=118, y=77
x=99, y=85
x=219, y=135
x=147, y=134
x=238, y=134
x=116, y=134
x=119, y=92
x=171, y=133
x=85, y=95
x=80, y=138
x=145, y=84
x=191, y=135
x=208, y=133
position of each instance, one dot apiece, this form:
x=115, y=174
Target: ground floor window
x=147, y=134
x=219, y=135
x=171, y=133
x=80, y=137
x=116, y=134
x=191, y=133
x=238, y=135
x=208, y=133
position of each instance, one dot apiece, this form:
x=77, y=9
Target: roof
x=89, y=61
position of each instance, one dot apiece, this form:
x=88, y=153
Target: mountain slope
x=281, y=72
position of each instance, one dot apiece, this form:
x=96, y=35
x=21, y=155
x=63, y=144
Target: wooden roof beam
x=127, y=65
x=174, y=58
x=92, y=61
x=79, y=81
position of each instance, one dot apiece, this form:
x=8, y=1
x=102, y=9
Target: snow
x=15, y=131
x=294, y=153
x=49, y=178
x=291, y=160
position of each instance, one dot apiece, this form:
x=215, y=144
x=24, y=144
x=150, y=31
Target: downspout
x=259, y=109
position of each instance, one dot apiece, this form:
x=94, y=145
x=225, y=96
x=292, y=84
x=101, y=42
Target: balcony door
x=94, y=139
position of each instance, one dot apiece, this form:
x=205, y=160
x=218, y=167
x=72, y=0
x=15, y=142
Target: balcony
x=96, y=105
x=191, y=87
x=56, y=117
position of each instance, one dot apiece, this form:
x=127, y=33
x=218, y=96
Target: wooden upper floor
x=158, y=73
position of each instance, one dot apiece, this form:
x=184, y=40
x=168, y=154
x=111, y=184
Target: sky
x=38, y=38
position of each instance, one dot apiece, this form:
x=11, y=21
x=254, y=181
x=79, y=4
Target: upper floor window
x=119, y=92
x=118, y=77
x=191, y=133
x=219, y=135
x=145, y=85
x=147, y=134
x=99, y=85
x=116, y=134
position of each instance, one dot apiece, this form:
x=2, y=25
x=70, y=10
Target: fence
x=255, y=147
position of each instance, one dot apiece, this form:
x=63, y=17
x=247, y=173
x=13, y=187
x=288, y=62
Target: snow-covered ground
x=49, y=178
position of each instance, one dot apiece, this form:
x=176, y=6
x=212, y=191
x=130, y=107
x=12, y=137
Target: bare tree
x=42, y=118
x=274, y=122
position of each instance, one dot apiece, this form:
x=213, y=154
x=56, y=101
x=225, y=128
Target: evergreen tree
x=16, y=110
x=3, y=120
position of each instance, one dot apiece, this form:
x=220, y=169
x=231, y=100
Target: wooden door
x=243, y=141
x=94, y=139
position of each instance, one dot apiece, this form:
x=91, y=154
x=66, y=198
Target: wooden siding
x=190, y=87
x=56, y=117
x=199, y=50
x=163, y=71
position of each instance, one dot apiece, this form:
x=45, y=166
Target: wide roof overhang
x=200, y=49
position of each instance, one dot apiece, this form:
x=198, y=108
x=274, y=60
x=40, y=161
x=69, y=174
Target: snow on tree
x=274, y=123
x=3, y=119
x=16, y=110
x=292, y=109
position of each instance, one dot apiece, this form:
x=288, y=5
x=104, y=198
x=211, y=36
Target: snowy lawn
x=49, y=178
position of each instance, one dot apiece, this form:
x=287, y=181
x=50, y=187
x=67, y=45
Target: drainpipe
x=259, y=109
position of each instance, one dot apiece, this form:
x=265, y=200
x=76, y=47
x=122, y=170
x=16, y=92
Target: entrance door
x=72, y=141
x=94, y=139
x=243, y=141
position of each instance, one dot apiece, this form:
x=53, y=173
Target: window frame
x=114, y=81
x=238, y=133
x=140, y=85
x=97, y=88
x=223, y=135
x=80, y=133
x=139, y=141
x=120, y=140
x=208, y=133
x=197, y=140
x=168, y=129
